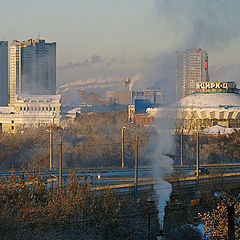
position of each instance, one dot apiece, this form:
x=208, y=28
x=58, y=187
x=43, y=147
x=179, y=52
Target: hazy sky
x=122, y=37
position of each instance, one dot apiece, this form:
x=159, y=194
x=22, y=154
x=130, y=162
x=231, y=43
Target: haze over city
x=120, y=38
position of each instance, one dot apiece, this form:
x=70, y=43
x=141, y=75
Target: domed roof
x=210, y=100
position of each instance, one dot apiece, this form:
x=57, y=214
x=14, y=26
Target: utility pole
x=123, y=165
x=197, y=164
x=51, y=148
x=60, y=164
x=231, y=224
x=197, y=158
x=182, y=147
x=136, y=166
x=150, y=204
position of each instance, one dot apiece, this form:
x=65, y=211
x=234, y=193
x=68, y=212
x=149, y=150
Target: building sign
x=215, y=85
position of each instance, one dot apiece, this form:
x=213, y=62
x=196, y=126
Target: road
x=124, y=177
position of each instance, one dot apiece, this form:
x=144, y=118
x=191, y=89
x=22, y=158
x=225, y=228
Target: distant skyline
x=122, y=37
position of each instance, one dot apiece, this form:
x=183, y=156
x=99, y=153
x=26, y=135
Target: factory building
x=32, y=68
x=3, y=73
x=30, y=112
x=155, y=96
x=191, y=67
x=122, y=97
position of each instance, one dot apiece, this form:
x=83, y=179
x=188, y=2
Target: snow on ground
x=217, y=129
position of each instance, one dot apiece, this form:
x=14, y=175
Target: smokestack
x=126, y=82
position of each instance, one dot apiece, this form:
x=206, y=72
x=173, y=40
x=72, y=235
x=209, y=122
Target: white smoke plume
x=103, y=82
x=162, y=145
x=138, y=77
x=88, y=62
x=99, y=82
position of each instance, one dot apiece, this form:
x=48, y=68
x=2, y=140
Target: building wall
x=3, y=73
x=15, y=70
x=51, y=63
x=143, y=119
x=32, y=68
x=156, y=96
x=123, y=97
x=9, y=127
x=31, y=112
x=201, y=118
x=14, y=123
x=191, y=67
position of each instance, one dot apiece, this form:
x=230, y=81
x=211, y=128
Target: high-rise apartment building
x=3, y=73
x=191, y=67
x=32, y=68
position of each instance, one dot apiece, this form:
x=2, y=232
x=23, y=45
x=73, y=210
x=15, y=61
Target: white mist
x=161, y=146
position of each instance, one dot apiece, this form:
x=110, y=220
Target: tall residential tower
x=191, y=67
x=32, y=68
x=3, y=73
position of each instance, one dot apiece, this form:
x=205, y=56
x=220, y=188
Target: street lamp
x=149, y=203
x=230, y=202
x=136, y=166
x=150, y=207
x=51, y=142
x=181, y=149
x=50, y=147
x=123, y=164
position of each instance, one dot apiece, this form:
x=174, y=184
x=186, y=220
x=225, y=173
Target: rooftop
x=38, y=98
x=210, y=100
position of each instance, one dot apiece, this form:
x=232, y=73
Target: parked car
x=202, y=171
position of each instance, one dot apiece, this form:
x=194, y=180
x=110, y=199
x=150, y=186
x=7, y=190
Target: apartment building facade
x=191, y=67
x=3, y=73
x=32, y=68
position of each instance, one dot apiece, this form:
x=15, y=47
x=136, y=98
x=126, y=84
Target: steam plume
x=99, y=82
x=88, y=62
x=162, y=145
x=204, y=23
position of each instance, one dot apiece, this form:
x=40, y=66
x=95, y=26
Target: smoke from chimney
x=138, y=77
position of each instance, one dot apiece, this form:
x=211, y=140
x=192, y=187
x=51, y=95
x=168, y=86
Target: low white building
x=30, y=111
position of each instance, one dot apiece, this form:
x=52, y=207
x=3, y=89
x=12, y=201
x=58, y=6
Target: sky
x=121, y=38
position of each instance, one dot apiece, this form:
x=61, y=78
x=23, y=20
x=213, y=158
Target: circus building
x=213, y=103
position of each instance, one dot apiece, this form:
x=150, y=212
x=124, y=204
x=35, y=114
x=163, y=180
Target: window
x=35, y=108
x=12, y=127
x=46, y=108
x=20, y=108
x=27, y=108
x=50, y=108
x=12, y=121
x=24, y=108
x=39, y=109
x=54, y=108
x=43, y=108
